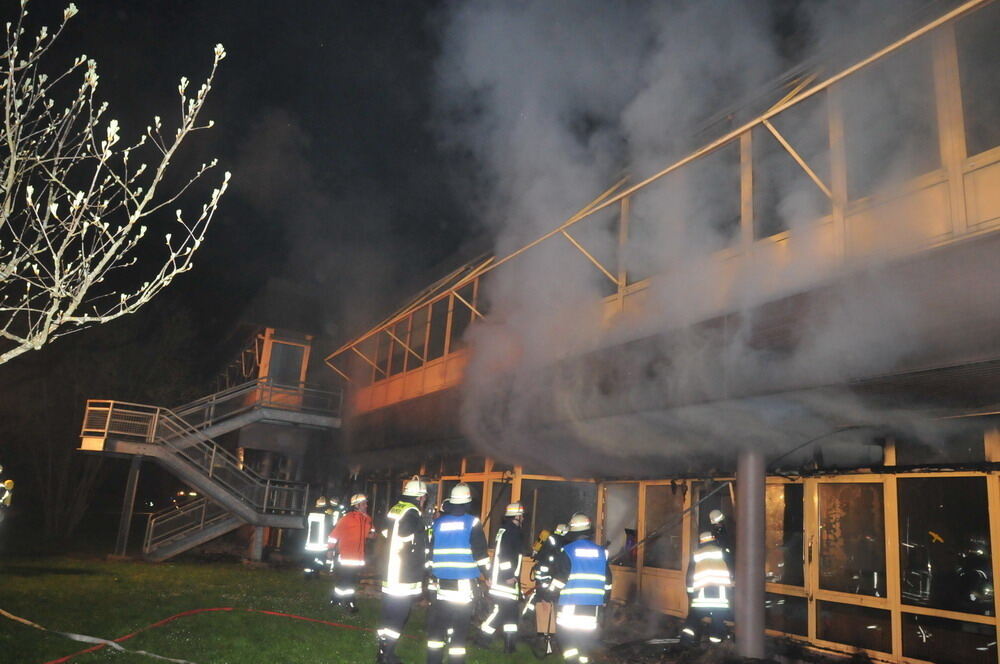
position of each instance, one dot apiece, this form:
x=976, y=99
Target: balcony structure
x=861, y=206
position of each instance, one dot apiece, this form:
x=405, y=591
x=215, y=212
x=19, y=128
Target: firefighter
x=6, y=495
x=709, y=581
x=348, y=538
x=547, y=549
x=505, y=580
x=720, y=530
x=582, y=578
x=404, y=572
x=458, y=558
x=317, y=526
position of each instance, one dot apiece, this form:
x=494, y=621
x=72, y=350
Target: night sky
x=322, y=113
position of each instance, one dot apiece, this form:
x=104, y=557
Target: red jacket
x=350, y=535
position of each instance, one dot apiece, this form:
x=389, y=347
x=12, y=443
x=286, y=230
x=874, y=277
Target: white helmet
x=460, y=494
x=716, y=517
x=579, y=522
x=706, y=538
x=358, y=498
x=321, y=501
x=514, y=509
x=561, y=529
x=414, y=487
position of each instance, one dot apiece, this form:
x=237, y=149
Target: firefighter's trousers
x=395, y=611
x=448, y=621
x=346, y=586
x=577, y=631
x=503, y=618
x=694, y=626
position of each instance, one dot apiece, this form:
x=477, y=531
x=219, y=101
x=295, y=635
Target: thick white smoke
x=555, y=101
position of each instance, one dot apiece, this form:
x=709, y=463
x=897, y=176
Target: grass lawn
x=112, y=599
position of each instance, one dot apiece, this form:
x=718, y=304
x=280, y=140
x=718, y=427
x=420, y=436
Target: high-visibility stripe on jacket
x=587, y=581
x=505, y=568
x=709, y=578
x=316, y=530
x=403, y=553
x=350, y=536
x=452, y=553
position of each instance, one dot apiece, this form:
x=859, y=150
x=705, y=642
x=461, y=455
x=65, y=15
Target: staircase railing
x=161, y=426
x=259, y=393
x=174, y=523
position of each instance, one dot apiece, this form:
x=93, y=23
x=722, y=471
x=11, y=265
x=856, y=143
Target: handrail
x=155, y=425
x=173, y=522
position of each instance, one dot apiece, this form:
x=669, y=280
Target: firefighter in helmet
x=404, y=571
x=6, y=495
x=317, y=527
x=505, y=580
x=720, y=530
x=582, y=578
x=546, y=550
x=347, y=541
x=709, y=584
x=458, y=558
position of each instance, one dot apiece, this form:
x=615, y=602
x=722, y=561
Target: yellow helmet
x=321, y=502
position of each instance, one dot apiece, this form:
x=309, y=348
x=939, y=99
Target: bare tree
x=78, y=209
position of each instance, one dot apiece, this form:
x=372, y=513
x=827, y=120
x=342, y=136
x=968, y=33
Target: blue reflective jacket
x=452, y=553
x=585, y=584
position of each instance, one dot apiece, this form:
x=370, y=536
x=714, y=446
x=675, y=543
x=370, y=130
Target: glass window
x=786, y=613
x=548, y=503
x=890, y=122
x=461, y=317
x=418, y=338
x=852, y=538
x=664, y=506
x=721, y=500
x=783, y=194
x=498, y=505
x=979, y=71
x=857, y=626
x=783, y=539
x=286, y=363
x=367, y=348
x=948, y=641
x=621, y=502
x=399, y=352
x=439, y=321
x=598, y=234
x=944, y=540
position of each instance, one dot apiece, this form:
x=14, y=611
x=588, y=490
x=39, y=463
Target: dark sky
x=322, y=113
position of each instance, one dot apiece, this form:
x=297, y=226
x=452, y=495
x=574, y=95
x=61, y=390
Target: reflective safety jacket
x=459, y=547
x=317, y=526
x=545, y=559
x=709, y=578
x=582, y=575
x=349, y=536
x=505, y=568
x=406, y=550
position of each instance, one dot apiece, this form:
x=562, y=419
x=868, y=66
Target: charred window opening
x=549, y=503
x=397, y=361
x=783, y=193
x=890, y=121
x=664, y=506
x=439, y=322
x=852, y=538
x=784, y=534
x=621, y=504
x=461, y=317
x=498, y=505
x=944, y=543
x=979, y=69
x=418, y=338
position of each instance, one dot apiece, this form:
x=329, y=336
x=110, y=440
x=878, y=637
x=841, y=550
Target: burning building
x=815, y=286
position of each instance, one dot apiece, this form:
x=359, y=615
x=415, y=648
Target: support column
x=749, y=616
x=257, y=544
x=128, y=506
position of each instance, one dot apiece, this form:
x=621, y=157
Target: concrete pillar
x=128, y=506
x=750, y=520
x=257, y=544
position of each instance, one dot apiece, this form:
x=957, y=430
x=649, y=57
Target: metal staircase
x=183, y=444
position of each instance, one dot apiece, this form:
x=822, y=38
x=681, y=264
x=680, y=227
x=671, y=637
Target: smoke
x=555, y=100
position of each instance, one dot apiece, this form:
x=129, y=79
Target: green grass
x=112, y=599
